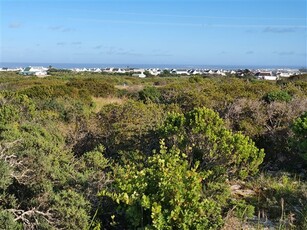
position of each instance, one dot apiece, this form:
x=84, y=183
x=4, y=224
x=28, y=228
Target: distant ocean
x=161, y=66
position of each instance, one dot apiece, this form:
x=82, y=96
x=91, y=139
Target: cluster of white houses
x=29, y=71
x=259, y=73
x=142, y=72
x=154, y=71
x=37, y=71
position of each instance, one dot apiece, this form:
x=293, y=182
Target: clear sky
x=207, y=32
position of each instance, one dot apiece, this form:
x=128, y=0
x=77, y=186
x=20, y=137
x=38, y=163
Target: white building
x=118, y=70
x=35, y=70
x=266, y=76
x=154, y=72
x=108, y=70
x=140, y=75
x=180, y=71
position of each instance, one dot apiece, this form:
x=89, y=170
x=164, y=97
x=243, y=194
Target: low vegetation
x=93, y=151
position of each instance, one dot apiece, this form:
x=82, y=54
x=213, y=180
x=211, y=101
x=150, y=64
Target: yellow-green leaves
x=201, y=134
x=165, y=194
x=300, y=140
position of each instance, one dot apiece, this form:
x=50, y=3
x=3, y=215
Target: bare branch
x=29, y=217
x=6, y=146
x=19, y=172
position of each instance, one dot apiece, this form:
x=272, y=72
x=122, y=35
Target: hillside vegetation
x=94, y=151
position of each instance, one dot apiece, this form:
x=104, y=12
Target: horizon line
x=152, y=65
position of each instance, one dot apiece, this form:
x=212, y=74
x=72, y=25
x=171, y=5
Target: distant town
x=265, y=74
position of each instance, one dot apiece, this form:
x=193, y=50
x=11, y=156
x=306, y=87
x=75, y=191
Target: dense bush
x=202, y=135
x=126, y=126
x=95, y=87
x=299, y=128
x=48, y=92
x=41, y=186
x=58, y=151
x=164, y=194
x=278, y=96
x=13, y=105
x=150, y=94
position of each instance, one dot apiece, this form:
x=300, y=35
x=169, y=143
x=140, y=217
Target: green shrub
x=95, y=87
x=299, y=128
x=164, y=194
x=277, y=96
x=201, y=133
x=242, y=210
x=15, y=107
x=56, y=91
x=71, y=210
x=150, y=94
x=123, y=127
x=7, y=221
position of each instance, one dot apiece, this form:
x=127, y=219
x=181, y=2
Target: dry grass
x=130, y=88
x=102, y=101
x=232, y=223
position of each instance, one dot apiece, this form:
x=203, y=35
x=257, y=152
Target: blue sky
x=207, y=32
